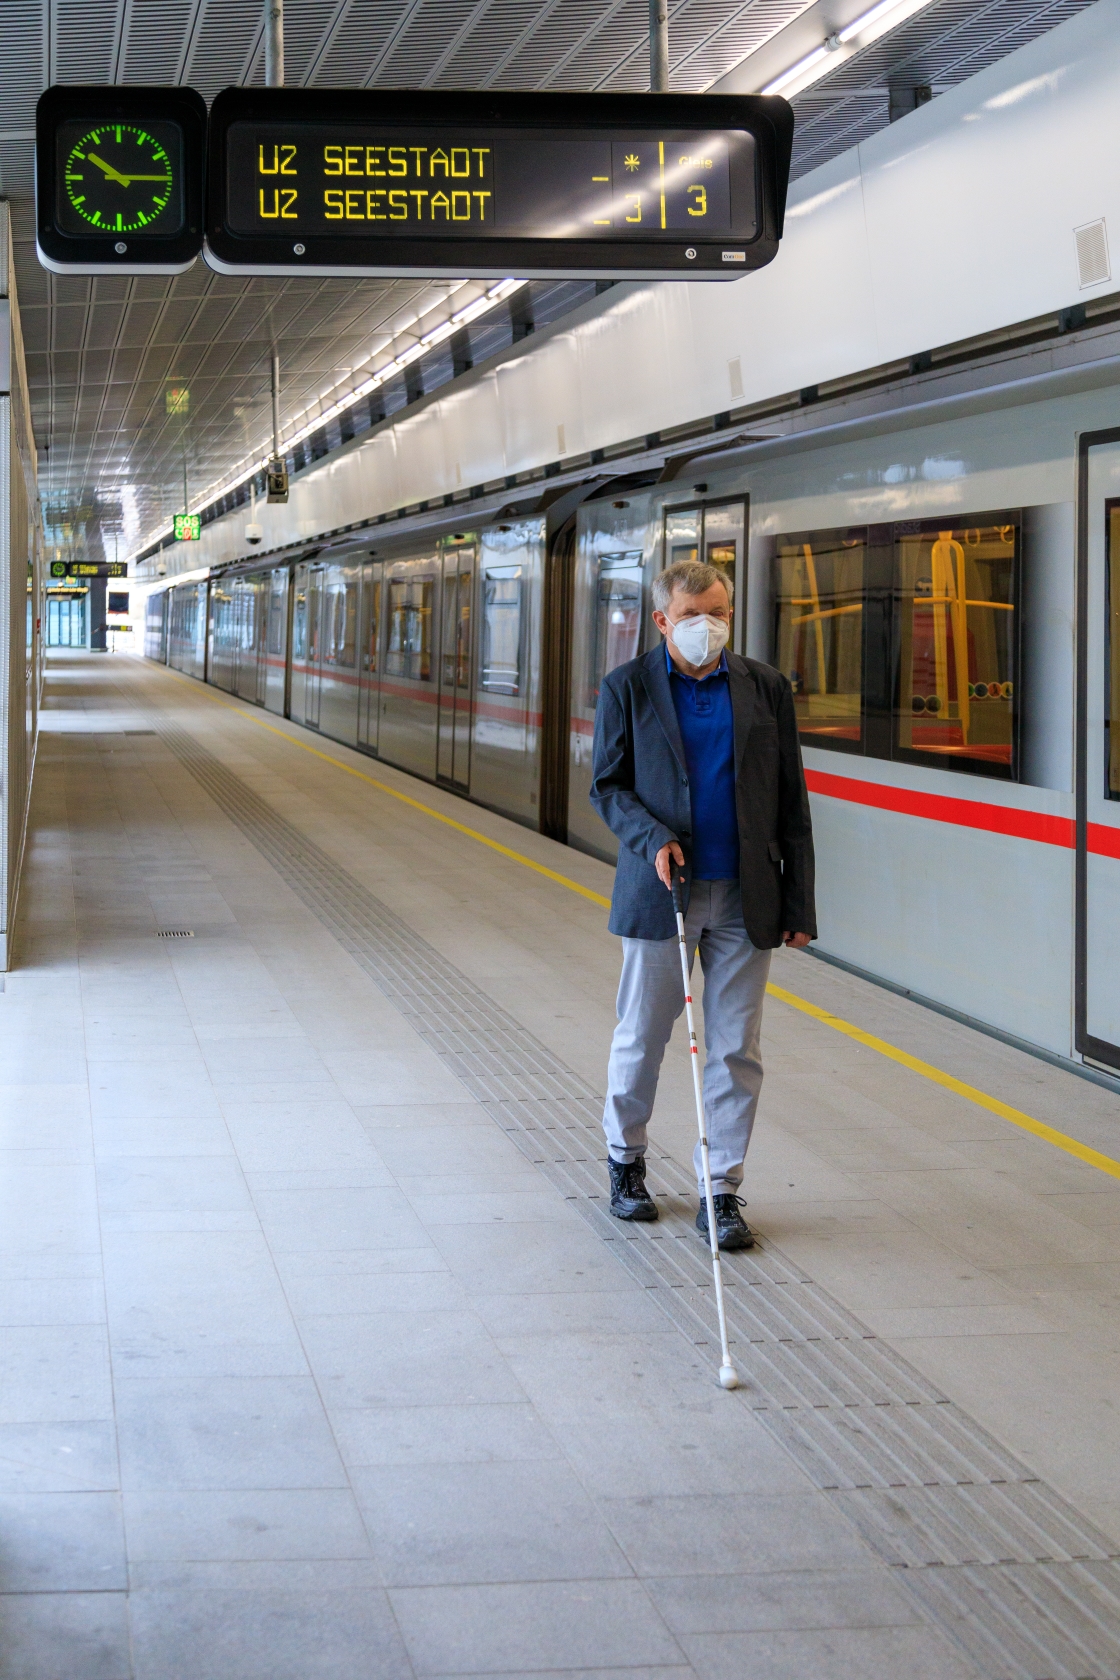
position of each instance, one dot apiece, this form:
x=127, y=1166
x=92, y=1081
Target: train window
x=820, y=588
x=223, y=617
x=299, y=623
x=342, y=625
x=455, y=620
x=714, y=531
x=724, y=532
x=245, y=601
x=618, y=613
x=956, y=595
x=373, y=641
x=409, y=653
x=501, y=631
x=1112, y=654
x=278, y=580
x=682, y=534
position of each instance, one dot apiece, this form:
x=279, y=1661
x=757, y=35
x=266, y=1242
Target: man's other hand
x=662, y=865
x=796, y=941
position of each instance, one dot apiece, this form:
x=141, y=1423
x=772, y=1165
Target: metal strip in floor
x=1024, y=1585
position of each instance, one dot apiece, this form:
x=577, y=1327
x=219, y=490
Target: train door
x=299, y=643
x=369, y=692
x=407, y=726
x=454, y=748
x=247, y=639
x=222, y=666
x=259, y=655
x=274, y=640
x=714, y=532
x=313, y=685
x=1097, y=916
x=338, y=653
x=66, y=621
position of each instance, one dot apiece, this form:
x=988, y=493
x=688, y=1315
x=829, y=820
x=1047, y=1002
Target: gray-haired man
x=697, y=762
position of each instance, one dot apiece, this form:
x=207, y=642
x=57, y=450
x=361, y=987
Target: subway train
x=937, y=573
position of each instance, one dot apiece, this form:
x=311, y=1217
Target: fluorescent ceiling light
x=868, y=26
x=817, y=56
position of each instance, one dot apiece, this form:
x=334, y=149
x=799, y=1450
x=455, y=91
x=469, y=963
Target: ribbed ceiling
x=102, y=352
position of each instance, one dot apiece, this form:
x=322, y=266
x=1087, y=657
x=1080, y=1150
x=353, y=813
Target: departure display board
x=119, y=179
x=627, y=185
x=88, y=568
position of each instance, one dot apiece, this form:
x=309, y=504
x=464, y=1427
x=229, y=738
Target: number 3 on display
x=701, y=206
x=636, y=199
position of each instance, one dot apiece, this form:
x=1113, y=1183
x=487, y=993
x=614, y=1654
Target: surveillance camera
x=253, y=533
x=162, y=571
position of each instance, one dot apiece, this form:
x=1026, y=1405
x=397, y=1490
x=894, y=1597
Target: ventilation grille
x=175, y=933
x=1092, y=253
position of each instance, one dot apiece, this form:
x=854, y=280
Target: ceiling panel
x=102, y=352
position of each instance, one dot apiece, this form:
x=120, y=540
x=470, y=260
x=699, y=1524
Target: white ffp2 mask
x=700, y=639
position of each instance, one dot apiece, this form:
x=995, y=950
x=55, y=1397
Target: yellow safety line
x=1026, y=1122
x=1092, y=1157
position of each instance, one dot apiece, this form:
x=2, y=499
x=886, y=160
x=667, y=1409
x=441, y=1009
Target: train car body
x=916, y=583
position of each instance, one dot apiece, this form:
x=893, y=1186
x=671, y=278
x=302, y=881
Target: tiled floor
x=306, y=1374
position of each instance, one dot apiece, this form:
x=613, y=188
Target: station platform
x=321, y=1358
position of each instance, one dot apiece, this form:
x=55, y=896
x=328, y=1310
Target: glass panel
x=373, y=643
x=723, y=545
x=956, y=591
x=299, y=622
x=315, y=616
x=341, y=625
x=247, y=615
x=1112, y=654
x=819, y=590
x=449, y=629
x=276, y=614
x=682, y=535
x=618, y=613
x=463, y=630
x=501, y=632
x=223, y=617
x=409, y=653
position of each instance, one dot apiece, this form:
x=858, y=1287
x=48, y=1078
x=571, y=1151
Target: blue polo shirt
x=703, y=707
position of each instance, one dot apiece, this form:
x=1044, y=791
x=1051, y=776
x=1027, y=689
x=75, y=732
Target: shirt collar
x=674, y=672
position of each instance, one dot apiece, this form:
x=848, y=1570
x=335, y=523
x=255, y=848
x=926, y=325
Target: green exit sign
x=188, y=527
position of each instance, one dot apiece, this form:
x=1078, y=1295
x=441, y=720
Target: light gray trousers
x=651, y=997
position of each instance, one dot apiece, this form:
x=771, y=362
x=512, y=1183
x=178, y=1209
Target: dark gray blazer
x=640, y=789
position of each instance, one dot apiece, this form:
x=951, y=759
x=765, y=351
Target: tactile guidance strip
x=999, y=1561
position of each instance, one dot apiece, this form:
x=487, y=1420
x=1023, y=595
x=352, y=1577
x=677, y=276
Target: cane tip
x=728, y=1376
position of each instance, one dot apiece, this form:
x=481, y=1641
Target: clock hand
x=113, y=174
x=128, y=179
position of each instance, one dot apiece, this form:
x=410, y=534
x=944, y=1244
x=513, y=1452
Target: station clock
x=119, y=179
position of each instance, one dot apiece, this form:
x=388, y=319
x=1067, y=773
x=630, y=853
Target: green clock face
x=120, y=178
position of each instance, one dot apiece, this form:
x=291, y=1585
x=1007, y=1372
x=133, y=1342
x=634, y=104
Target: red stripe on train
x=940, y=807
x=1105, y=842
x=964, y=813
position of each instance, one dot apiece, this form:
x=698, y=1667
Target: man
x=698, y=766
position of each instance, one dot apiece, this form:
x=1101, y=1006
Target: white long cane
x=728, y=1376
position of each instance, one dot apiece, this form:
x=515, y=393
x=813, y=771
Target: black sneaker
x=629, y=1197
x=731, y=1228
